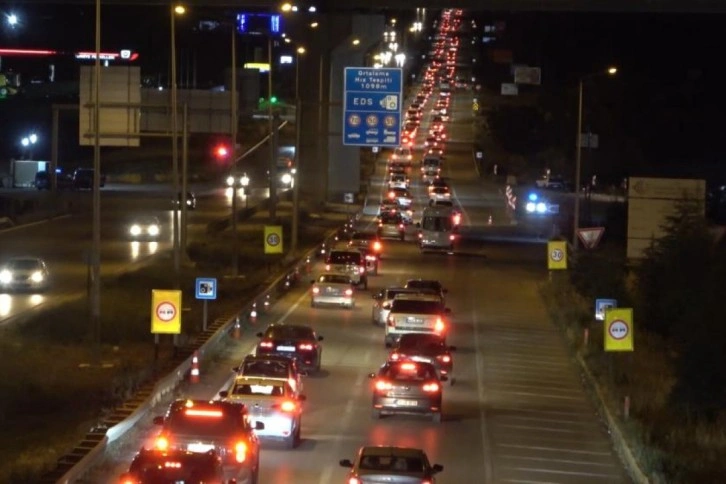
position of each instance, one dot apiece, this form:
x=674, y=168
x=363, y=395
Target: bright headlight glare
x=293, y=171
x=135, y=230
x=6, y=276
x=530, y=207
x=286, y=178
x=230, y=181
x=37, y=276
x=153, y=230
x=541, y=207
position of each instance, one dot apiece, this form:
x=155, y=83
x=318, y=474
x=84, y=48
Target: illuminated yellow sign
x=260, y=66
x=273, y=239
x=618, y=329
x=165, y=311
x=556, y=255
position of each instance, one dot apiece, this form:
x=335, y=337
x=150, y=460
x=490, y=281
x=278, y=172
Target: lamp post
x=28, y=142
x=245, y=182
x=233, y=136
x=295, y=181
x=180, y=198
x=298, y=52
x=611, y=71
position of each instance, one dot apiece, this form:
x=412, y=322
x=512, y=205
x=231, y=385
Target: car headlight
x=153, y=230
x=37, y=276
x=286, y=178
x=541, y=207
x=230, y=181
x=293, y=170
x=530, y=207
x=135, y=230
x=6, y=276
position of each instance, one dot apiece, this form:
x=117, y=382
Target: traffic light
x=273, y=100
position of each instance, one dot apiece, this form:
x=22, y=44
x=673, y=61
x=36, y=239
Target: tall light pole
x=296, y=175
x=233, y=135
x=272, y=127
x=180, y=199
x=96, y=219
x=611, y=71
x=298, y=52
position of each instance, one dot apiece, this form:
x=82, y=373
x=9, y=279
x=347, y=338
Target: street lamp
x=28, y=142
x=611, y=71
x=176, y=10
x=12, y=19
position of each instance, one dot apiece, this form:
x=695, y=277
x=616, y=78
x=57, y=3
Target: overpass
x=331, y=6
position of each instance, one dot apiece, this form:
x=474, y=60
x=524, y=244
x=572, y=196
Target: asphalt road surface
x=517, y=413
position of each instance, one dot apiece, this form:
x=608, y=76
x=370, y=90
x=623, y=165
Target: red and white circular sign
x=166, y=311
x=618, y=329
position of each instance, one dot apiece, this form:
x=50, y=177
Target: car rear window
x=334, y=279
x=391, y=463
x=411, y=371
x=344, y=258
x=411, y=306
x=289, y=332
x=265, y=368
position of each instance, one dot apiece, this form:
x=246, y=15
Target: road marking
x=566, y=473
x=554, y=449
x=32, y=224
x=486, y=447
x=561, y=461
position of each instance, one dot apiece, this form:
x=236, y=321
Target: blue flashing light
x=532, y=197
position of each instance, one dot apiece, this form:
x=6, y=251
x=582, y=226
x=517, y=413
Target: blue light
x=533, y=197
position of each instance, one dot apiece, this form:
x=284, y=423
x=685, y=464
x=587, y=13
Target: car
x=191, y=201
x=428, y=284
x=439, y=193
x=350, y=263
x=24, y=273
x=42, y=180
x=294, y=341
x=382, y=302
x=273, y=366
x=223, y=427
x=415, y=313
x=272, y=403
x=370, y=247
x=83, y=179
x=161, y=467
x=330, y=288
x=449, y=204
x=437, y=182
x=145, y=227
x=391, y=464
x=390, y=224
x=428, y=348
x=407, y=387
x=432, y=142
x=397, y=167
x=402, y=154
x=398, y=180
x=401, y=196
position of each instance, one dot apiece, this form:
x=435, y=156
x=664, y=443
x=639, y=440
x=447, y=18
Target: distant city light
x=314, y=24
x=12, y=20
x=356, y=41
x=180, y=9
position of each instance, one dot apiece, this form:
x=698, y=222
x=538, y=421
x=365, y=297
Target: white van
x=437, y=230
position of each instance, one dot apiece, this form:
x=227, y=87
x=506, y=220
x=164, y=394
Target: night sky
x=668, y=95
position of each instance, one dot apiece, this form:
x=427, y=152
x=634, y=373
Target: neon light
x=261, y=66
x=27, y=52
x=101, y=55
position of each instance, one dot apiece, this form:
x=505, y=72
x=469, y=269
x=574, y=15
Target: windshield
x=334, y=279
x=289, y=332
x=24, y=264
x=391, y=463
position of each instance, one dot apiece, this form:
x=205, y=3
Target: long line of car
x=220, y=440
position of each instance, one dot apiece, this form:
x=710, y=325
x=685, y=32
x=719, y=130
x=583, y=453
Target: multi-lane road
x=517, y=413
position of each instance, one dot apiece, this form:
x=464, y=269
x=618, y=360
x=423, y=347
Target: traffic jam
x=220, y=440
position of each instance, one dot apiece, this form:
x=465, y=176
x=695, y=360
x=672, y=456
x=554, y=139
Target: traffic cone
x=194, y=372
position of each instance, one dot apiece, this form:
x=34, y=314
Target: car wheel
x=375, y=414
x=436, y=418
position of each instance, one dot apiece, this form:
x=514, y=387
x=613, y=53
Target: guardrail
x=85, y=455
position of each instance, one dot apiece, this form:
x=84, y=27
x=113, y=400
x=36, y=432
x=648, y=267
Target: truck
x=23, y=172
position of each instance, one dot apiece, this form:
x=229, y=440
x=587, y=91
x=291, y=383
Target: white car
x=145, y=227
x=398, y=180
x=24, y=273
x=402, y=154
x=336, y=289
x=401, y=196
x=439, y=193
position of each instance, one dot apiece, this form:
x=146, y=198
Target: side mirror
x=259, y=335
x=320, y=338
x=444, y=378
x=452, y=348
x=302, y=398
x=345, y=463
x=371, y=375
x=224, y=394
x=158, y=420
x=259, y=426
x=437, y=468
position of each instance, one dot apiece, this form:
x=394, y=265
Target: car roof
x=432, y=282
x=390, y=450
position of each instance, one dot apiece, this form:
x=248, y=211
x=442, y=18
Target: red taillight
x=439, y=327
x=129, y=480
x=240, y=451
x=391, y=194
x=377, y=246
x=288, y=406
x=431, y=387
x=362, y=270
x=452, y=237
x=409, y=366
x=420, y=235
x=353, y=480
x=382, y=385
x=327, y=267
x=306, y=347
x=444, y=358
x=395, y=356
x=161, y=443
x=316, y=290
x=266, y=344
x=457, y=219
x=400, y=226
x=349, y=292
x=380, y=224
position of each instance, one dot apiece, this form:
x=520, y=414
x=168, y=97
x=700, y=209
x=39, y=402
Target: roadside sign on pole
x=165, y=311
x=590, y=237
x=618, y=329
x=206, y=288
x=372, y=99
x=556, y=255
x=602, y=305
x=273, y=239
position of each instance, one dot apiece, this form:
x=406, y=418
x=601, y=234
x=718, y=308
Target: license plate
x=285, y=348
x=407, y=403
x=199, y=448
x=411, y=320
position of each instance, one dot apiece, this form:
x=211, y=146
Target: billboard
x=528, y=75
x=259, y=23
x=650, y=202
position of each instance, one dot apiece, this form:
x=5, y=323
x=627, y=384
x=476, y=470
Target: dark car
x=370, y=247
x=202, y=425
x=42, y=180
x=157, y=467
x=83, y=179
x=407, y=387
x=391, y=224
x=391, y=464
x=427, y=348
x=294, y=341
x=191, y=201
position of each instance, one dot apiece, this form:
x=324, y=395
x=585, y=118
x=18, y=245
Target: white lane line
x=543, y=429
x=523, y=481
x=561, y=461
x=554, y=449
x=486, y=448
x=345, y=421
x=565, y=473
